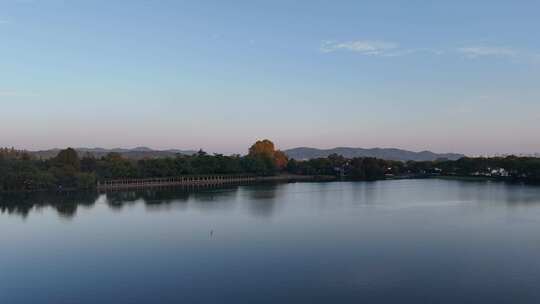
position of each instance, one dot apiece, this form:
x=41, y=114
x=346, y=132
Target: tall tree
x=262, y=148
x=266, y=149
x=68, y=157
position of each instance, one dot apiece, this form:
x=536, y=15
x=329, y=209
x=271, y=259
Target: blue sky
x=446, y=76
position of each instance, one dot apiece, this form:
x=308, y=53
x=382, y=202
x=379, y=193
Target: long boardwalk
x=200, y=180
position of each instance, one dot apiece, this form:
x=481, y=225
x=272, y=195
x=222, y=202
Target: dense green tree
x=89, y=163
x=65, y=168
x=68, y=157
x=114, y=166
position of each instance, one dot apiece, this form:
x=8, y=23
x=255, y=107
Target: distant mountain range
x=135, y=153
x=382, y=153
x=296, y=153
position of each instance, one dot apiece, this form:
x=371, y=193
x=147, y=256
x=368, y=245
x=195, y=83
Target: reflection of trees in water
x=117, y=200
x=258, y=199
x=262, y=199
x=365, y=193
x=209, y=197
x=521, y=195
x=150, y=197
x=157, y=197
x=65, y=203
x=512, y=194
x=218, y=198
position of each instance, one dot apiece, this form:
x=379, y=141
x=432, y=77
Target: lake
x=402, y=241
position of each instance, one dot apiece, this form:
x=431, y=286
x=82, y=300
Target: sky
x=447, y=76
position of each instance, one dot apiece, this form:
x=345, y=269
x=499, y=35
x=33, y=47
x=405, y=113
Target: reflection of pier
x=198, y=180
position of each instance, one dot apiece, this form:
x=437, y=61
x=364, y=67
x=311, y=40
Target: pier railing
x=203, y=180
x=187, y=180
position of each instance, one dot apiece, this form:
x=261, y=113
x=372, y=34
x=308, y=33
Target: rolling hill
x=135, y=153
x=303, y=153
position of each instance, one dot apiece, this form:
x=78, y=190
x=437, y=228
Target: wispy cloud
x=514, y=54
x=393, y=49
x=404, y=52
x=4, y=21
x=482, y=51
x=374, y=48
x=364, y=47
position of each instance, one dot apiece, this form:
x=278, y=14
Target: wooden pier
x=200, y=180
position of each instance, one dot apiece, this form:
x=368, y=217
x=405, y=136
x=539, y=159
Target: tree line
x=20, y=171
x=512, y=168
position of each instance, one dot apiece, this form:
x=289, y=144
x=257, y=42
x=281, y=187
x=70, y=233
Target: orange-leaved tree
x=281, y=160
x=266, y=149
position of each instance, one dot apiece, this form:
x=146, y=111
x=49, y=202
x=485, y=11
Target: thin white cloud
x=515, y=54
x=392, y=49
x=364, y=47
x=375, y=48
x=404, y=52
x=481, y=51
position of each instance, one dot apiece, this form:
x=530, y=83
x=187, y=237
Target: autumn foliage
x=281, y=160
x=266, y=149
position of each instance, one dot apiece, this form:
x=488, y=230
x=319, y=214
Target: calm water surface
x=409, y=241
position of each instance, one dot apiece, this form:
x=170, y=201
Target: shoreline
x=194, y=181
x=247, y=180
